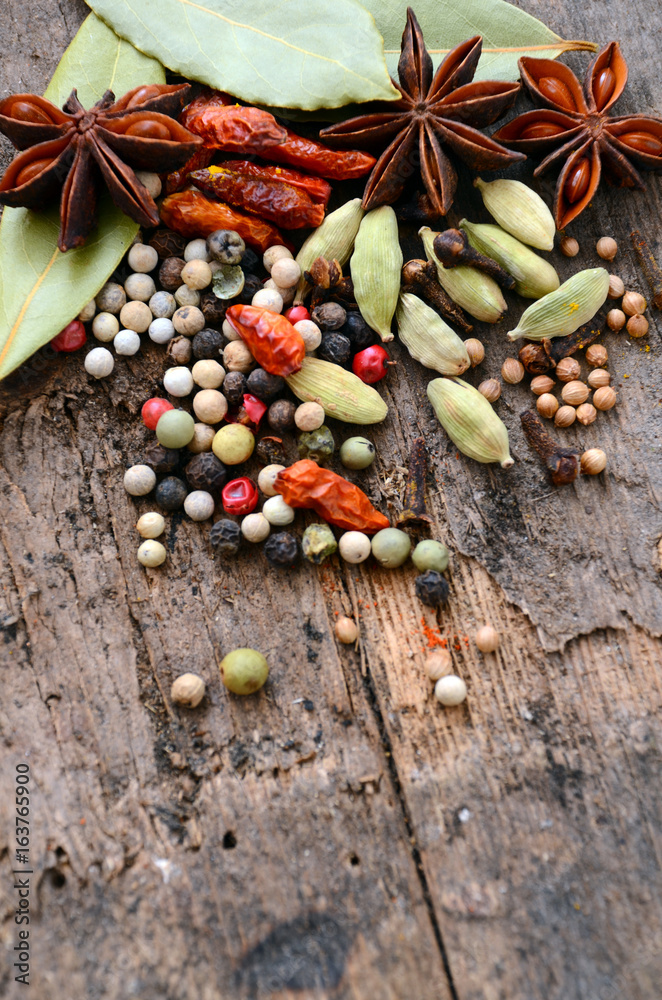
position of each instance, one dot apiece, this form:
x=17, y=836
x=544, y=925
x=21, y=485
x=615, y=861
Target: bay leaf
x=300, y=54
x=508, y=33
x=42, y=289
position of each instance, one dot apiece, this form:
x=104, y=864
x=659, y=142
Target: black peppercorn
x=263, y=385
x=234, y=388
x=171, y=493
x=207, y=344
x=250, y=261
x=270, y=451
x=206, y=472
x=225, y=537
x=358, y=332
x=170, y=273
x=251, y=286
x=335, y=348
x=167, y=243
x=280, y=415
x=431, y=588
x=161, y=459
x=213, y=308
x=226, y=246
x=329, y=316
x=282, y=549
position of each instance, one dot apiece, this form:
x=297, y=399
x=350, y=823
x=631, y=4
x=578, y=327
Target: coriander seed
x=187, y=690
x=150, y=525
x=604, y=398
x=637, y=326
x=593, y=462
x=512, y=371
x=616, y=319
x=569, y=246
x=574, y=392
x=567, y=370
x=596, y=356
x=541, y=383
x=606, y=247
x=616, y=287
x=151, y=553
x=346, y=630
x=139, y=480
x=633, y=304
x=450, y=690
x=490, y=389
x=586, y=414
x=598, y=378
x=255, y=527
x=267, y=478
x=547, y=405
x=487, y=639
x=438, y=664
x=475, y=350
x=565, y=416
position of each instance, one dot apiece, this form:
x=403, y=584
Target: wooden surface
x=340, y=835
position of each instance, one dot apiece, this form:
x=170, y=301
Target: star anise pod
x=574, y=126
x=438, y=110
x=76, y=150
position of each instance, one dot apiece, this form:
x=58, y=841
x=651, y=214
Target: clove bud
x=561, y=463
x=415, y=511
x=420, y=278
x=452, y=248
x=535, y=358
x=564, y=347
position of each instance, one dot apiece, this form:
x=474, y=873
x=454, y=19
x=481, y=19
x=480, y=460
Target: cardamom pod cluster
x=428, y=339
x=334, y=240
x=375, y=265
x=562, y=312
x=534, y=276
x=341, y=393
x=470, y=421
x=470, y=288
x=520, y=211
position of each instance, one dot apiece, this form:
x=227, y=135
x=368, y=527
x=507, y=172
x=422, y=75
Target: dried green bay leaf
x=508, y=33
x=42, y=289
x=300, y=54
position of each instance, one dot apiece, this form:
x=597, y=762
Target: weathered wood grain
x=339, y=836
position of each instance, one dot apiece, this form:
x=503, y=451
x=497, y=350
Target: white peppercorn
x=126, y=342
x=268, y=298
x=87, y=312
x=266, y=479
x=438, y=663
x=310, y=334
x=139, y=287
x=188, y=320
x=199, y=505
x=487, y=639
x=139, y=480
x=196, y=274
x=203, y=436
x=142, y=258
x=286, y=294
x=277, y=512
x=161, y=330
x=178, y=381
x=450, y=690
x=309, y=416
x=99, y=362
x=208, y=374
x=196, y=250
x=285, y=272
x=209, y=405
x=136, y=316
x=150, y=525
x=151, y=181
x=354, y=547
x=346, y=630
x=229, y=333
x=237, y=357
x=111, y=298
x=272, y=254
x=151, y=553
x=185, y=296
x=179, y=350
x=255, y=527
x=162, y=305
x=188, y=690
x=105, y=327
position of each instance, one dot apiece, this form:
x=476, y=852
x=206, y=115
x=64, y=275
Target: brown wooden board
x=340, y=835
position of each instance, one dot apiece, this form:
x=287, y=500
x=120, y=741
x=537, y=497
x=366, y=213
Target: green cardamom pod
x=534, y=276
x=467, y=286
x=428, y=339
x=342, y=394
x=565, y=310
x=470, y=421
x=376, y=265
x=520, y=211
x=333, y=239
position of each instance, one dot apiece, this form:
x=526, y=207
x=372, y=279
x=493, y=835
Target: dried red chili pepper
x=274, y=343
x=335, y=499
x=192, y=214
x=224, y=124
x=335, y=164
x=178, y=179
x=318, y=189
x=268, y=197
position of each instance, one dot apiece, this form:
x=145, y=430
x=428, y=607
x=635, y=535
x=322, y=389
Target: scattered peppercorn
x=206, y=472
x=150, y=525
x=432, y=588
x=358, y=332
x=450, y=690
x=161, y=459
x=317, y=445
x=335, y=348
x=309, y=416
x=280, y=415
x=225, y=537
x=265, y=386
x=277, y=511
x=170, y=273
x=270, y=450
x=188, y=690
x=266, y=479
x=244, y=671
x=71, y=338
x=252, y=286
x=167, y=243
x=487, y=639
x=171, y=493
x=282, y=549
x=357, y=453
x=226, y=246
x=354, y=547
x=207, y=344
x=329, y=316
x=139, y=480
x=346, y=630
x=255, y=527
x=179, y=350
x=391, y=547
x=371, y=364
x=430, y=554
x=234, y=388
x=240, y=496
x=233, y=444
x=151, y=553
x=438, y=664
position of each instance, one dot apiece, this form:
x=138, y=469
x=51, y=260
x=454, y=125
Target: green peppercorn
x=391, y=547
x=357, y=453
x=244, y=671
x=317, y=445
x=430, y=554
x=318, y=543
x=175, y=429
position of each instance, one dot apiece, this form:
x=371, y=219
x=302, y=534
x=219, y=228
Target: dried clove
x=415, y=511
x=561, y=463
x=452, y=248
x=329, y=284
x=562, y=347
x=535, y=359
x=420, y=278
x=649, y=266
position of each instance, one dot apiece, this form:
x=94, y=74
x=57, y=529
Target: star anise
x=435, y=111
x=76, y=150
x=574, y=126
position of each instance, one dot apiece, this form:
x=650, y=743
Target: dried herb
x=561, y=463
x=564, y=347
x=415, y=512
x=573, y=127
x=75, y=150
x=434, y=111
